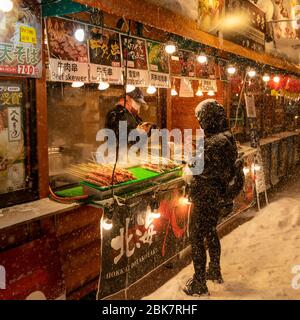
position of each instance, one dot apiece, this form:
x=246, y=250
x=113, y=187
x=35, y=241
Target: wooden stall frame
x=163, y=19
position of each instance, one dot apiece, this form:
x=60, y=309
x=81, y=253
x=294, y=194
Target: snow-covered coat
x=220, y=154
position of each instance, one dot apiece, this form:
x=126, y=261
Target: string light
x=107, y=224
x=231, y=70
x=77, y=84
x=151, y=90
x=202, y=58
x=252, y=73
x=266, y=78
x=246, y=170
x=79, y=35
x=170, y=48
x=6, y=5
x=211, y=93
x=276, y=79
x=103, y=85
x=130, y=88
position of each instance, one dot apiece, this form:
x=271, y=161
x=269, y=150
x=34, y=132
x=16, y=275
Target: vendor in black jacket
x=128, y=112
x=208, y=194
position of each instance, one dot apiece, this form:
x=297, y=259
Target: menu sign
x=105, y=56
x=67, y=71
x=134, y=53
x=135, y=57
x=158, y=65
x=253, y=37
x=183, y=64
x=21, y=39
x=138, y=78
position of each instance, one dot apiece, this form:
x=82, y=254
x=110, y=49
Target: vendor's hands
x=145, y=126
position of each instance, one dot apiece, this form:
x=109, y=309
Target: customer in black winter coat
x=208, y=194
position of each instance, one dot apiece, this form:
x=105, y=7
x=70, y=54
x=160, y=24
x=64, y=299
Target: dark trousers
x=203, y=225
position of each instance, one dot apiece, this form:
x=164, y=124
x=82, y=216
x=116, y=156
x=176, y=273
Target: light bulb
x=151, y=90
x=266, y=78
x=199, y=93
x=202, y=58
x=170, y=48
x=231, y=70
x=79, y=35
x=107, y=224
x=103, y=85
x=246, y=170
x=77, y=84
x=276, y=79
x=130, y=88
x=6, y=5
x=210, y=93
x=174, y=92
x=155, y=214
x=184, y=201
x=251, y=73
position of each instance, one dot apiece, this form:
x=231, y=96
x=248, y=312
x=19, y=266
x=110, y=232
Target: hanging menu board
x=134, y=53
x=159, y=70
x=21, y=39
x=68, y=58
x=105, y=56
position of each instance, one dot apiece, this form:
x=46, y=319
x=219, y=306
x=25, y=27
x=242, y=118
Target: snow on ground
x=257, y=258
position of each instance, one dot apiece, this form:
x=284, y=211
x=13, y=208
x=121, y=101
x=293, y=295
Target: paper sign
x=14, y=124
x=186, y=90
x=138, y=78
x=209, y=85
x=159, y=80
x=112, y=75
x=28, y=34
x=250, y=106
x=68, y=71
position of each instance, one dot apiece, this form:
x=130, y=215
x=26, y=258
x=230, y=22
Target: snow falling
x=259, y=258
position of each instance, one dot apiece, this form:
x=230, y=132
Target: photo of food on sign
x=21, y=39
x=134, y=52
x=104, y=47
x=158, y=60
x=62, y=42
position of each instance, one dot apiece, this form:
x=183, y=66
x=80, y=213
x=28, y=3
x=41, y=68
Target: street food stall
x=109, y=227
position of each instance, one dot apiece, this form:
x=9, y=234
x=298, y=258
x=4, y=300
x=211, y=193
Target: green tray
x=70, y=192
x=141, y=174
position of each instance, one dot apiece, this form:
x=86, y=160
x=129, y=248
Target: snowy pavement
x=257, y=257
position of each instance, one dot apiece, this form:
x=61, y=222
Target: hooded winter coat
x=220, y=154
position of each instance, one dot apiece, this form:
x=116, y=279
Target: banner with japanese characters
x=12, y=155
x=141, y=240
x=21, y=39
x=105, y=56
x=208, y=85
x=159, y=69
x=68, y=57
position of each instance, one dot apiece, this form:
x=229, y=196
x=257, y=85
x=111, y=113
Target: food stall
x=111, y=235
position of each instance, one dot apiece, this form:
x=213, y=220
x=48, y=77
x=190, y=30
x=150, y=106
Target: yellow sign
x=28, y=34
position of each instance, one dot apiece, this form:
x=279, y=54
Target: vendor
x=129, y=113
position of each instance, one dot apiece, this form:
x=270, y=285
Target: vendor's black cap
x=137, y=95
